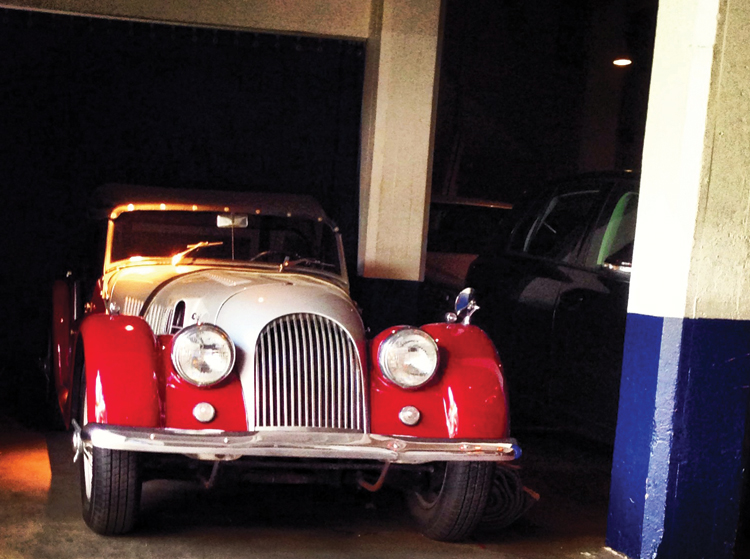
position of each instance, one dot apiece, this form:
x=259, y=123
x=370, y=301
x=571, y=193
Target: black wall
x=85, y=102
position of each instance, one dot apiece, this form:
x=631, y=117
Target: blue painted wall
x=677, y=467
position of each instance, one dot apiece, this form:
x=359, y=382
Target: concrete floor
x=40, y=512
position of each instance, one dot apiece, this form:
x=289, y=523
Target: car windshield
x=186, y=236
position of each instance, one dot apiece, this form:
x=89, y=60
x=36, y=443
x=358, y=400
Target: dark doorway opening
x=91, y=101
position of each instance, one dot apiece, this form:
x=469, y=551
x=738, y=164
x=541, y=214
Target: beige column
x=693, y=232
x=397, y=137
x=718, y=285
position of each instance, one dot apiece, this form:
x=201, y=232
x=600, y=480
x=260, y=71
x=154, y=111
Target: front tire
x=110, y=484
x=450, y=503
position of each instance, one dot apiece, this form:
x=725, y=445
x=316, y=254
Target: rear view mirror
x=231, y=221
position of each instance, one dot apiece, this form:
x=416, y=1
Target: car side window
x=612, y=240
x=558, y=228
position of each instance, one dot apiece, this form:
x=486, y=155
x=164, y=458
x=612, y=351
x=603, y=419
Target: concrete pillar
x=397, y=137
x=677, y=469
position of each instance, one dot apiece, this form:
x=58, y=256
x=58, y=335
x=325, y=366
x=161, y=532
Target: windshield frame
x=197, y=260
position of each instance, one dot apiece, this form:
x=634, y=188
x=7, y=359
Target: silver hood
x=243, y=303
x=240, y=301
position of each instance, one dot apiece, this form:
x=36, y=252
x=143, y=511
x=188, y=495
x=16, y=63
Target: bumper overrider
x=221, y=445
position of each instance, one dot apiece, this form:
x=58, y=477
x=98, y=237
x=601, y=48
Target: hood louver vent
x=156, y=317
x=132, y=306
x=165, y=321
x=178, y=319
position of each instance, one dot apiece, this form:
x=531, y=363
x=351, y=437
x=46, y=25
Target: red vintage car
x=222, y=330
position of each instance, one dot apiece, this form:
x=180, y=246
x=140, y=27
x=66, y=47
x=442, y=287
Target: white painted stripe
x=673, y=157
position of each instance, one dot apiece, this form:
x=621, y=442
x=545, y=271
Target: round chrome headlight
x=202, y=354
x=408, y=358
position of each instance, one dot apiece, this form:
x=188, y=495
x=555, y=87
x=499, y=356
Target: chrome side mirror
x=624, y=268
x=466, y=305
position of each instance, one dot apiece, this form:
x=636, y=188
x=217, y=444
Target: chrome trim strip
x=294, y=444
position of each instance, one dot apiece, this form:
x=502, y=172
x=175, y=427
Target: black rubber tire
x=508, y=501
x=115, y=492
x=112, y=501
x=452, y=501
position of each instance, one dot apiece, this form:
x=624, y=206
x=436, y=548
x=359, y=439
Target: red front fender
x=466, y=400
x=121, y=365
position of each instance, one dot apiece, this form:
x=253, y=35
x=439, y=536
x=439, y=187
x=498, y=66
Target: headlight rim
x=390, y=340
x=178, y=367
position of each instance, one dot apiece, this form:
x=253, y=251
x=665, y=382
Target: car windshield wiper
x=305, y=262
x=190, y=248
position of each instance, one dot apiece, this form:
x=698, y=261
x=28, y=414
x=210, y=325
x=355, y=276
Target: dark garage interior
x=95, y=101
x=89, y=102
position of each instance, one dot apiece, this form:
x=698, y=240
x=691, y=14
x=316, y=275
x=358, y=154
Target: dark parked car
x=553, y=290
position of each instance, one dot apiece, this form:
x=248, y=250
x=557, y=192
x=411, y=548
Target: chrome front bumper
x=219, y=445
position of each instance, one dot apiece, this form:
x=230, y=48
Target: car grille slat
x=327, y=378
x=308, y=375
x=299, y=399
x=320, y=395
x=261, y=359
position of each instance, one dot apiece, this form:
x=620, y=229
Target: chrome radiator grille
x=308, y=374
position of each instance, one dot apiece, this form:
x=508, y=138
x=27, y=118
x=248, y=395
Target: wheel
x=110, y=483
x=450, y=503
x=508, y=500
